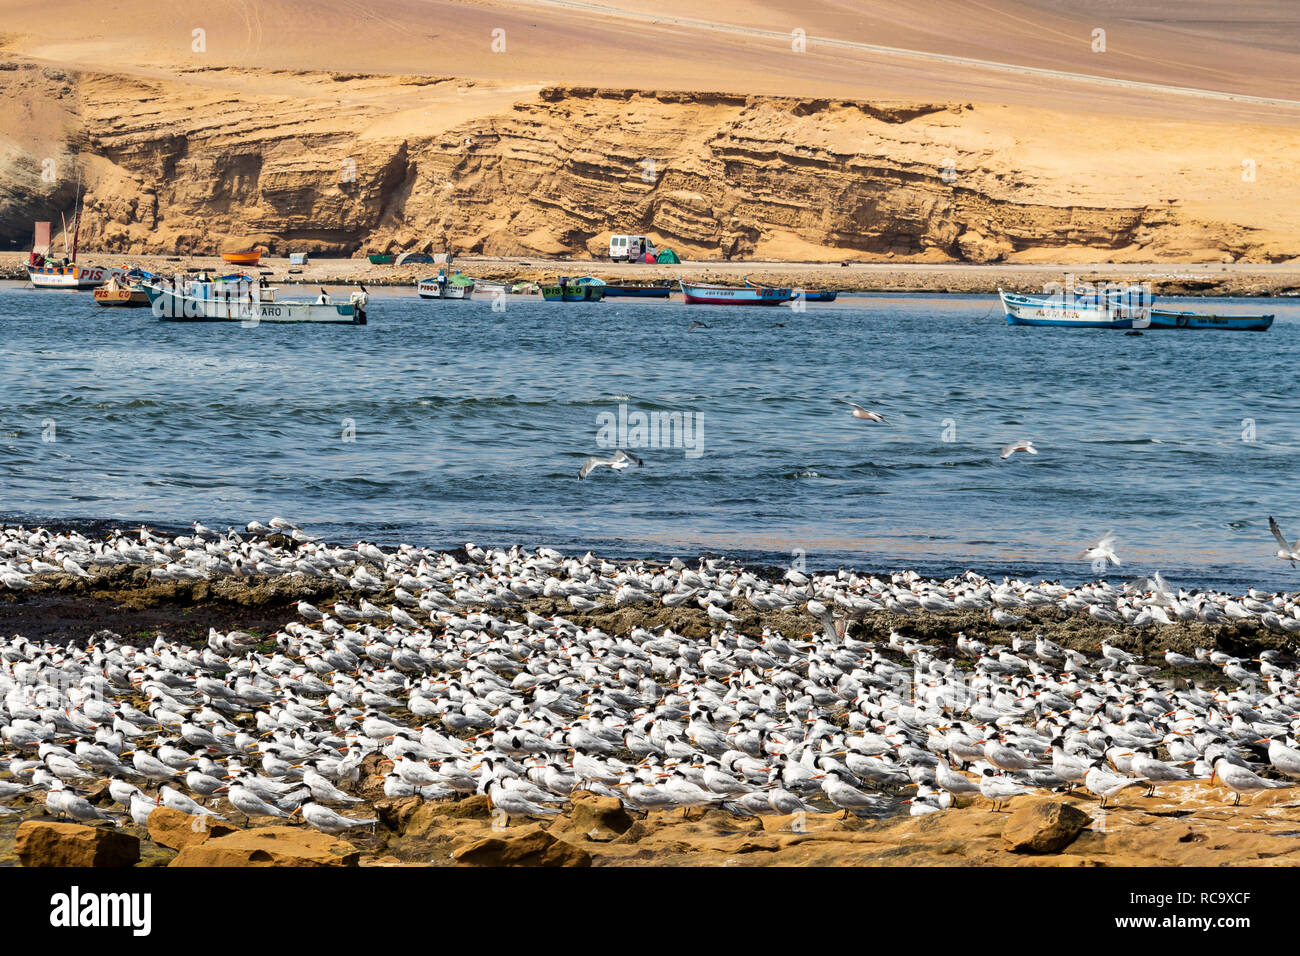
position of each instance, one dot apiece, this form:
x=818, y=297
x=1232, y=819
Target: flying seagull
x=1022, y=445
x=697, y=325
x=1104, y=551
x=860, y=412
x=1287, y=552
x=617, y=461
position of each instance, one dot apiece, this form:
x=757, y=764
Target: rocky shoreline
x=152, y=611
x=1185, y=825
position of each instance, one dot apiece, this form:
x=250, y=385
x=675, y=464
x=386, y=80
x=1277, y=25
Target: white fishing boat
x=443, y=286
x=238, y=299
x=44, y=272
x=1113, y=311
x=70, y=275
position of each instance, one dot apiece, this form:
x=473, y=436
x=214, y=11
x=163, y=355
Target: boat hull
x=572, y=293
x=695, y=294
x=126, y=297
x=1044, y=311
x=807, y=295
x=173, y=307
x=71, y=277
x=638, y=292
x=242, y=258
x=430, y=289
x=1165, y=319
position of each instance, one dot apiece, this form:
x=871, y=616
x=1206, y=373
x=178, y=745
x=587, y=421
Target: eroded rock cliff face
x=342, y=163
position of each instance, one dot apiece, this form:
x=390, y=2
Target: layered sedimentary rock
x=337, y=164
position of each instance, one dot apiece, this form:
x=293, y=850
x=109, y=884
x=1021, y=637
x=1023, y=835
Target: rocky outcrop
x=524, y=846
x=589, y=816
x=1046, y=826
x=337, y=164
x=176, y=830
x=47, y=843
x=269, y=846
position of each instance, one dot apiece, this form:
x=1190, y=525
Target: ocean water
x=445, y=422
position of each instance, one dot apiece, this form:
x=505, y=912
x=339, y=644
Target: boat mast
x=76, y=222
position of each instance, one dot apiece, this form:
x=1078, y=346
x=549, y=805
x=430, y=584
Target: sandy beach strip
x=1209, y=279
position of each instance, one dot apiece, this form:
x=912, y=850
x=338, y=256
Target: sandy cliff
x=512, y=155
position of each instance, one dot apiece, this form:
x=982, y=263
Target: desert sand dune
x=638, y=43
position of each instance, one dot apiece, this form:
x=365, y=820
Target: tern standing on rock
x=1105, y=784
x=1240, y=779
x=848, y=798
x=999, y=789
x=327, y=821
x=955, y=783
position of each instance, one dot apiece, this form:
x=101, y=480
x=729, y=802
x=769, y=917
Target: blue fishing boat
x=1114, y=311
x=660, y=291
x=808, y=295
x=1167, y=319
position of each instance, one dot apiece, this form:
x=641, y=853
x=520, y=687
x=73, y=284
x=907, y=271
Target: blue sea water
x=445, y=422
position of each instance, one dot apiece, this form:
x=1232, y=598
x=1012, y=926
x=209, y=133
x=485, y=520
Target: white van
x=630, y=248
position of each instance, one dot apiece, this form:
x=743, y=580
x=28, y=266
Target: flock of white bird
x=442, y=666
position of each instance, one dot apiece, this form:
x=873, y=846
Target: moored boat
x=443, y=286
x=124, y=291
x=505, y=288
x=237, y=298
x=249, y=258
x=660, y=290
x=1168, y=319
x=69, y=275
x=807, y=295
x=698, y=293
x=1078, y=312
x=45, y=273
x=583, y=289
